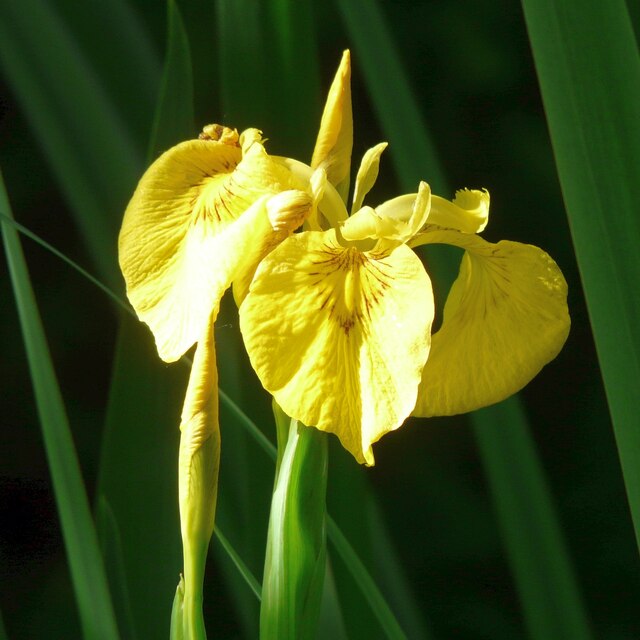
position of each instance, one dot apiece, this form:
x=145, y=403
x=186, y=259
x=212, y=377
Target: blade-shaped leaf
x=587, y=60
x=87, y=571
x=138, y=471
x=84, y=139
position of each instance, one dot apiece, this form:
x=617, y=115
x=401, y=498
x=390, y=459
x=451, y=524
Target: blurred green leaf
x=530, y=528
x=138, y=472
x=533, y=525
x=83, y=137
x=587, y=60
x=116, y=42
x=363, y=579
x=111, y=548
x=89, y=580
x=173, y=121
x=353, y=507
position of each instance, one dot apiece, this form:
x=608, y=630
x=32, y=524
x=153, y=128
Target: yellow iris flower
x=203, y=216
x=337, y=320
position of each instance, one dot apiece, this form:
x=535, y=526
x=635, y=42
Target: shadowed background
x=471, y=72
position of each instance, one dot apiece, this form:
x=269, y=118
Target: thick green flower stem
x=296, y=543
x=198, y=464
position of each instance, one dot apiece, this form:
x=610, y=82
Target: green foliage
x=419, y=550
x=592, y=103
x=87, y=571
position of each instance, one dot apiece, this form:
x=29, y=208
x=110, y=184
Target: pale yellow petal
x=335, y=137
x=468, y=212
x=393, y=222
x=339, y=337
x=505, y=317
x=175, y=250
x=367, y=174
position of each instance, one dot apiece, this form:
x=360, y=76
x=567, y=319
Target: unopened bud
x=289, y=209
x=219, y=133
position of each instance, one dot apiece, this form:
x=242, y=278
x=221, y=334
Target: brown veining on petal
x=350, y=283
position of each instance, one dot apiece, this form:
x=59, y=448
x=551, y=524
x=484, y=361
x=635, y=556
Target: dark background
x=470, y=66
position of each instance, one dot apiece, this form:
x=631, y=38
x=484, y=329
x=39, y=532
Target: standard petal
x=340, y=337
x=505, y=317
x=176, y=248
x=468, y=212
x=335, y=137
x=367, y=174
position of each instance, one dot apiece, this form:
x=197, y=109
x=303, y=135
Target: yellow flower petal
x=367, y=174
x=392, y=223
x=178, y=250
x=468, y=212
x=335, y=137
x=339, y=337
x=505, y=318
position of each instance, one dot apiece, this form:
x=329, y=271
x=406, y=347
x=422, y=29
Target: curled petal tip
x=288, y=210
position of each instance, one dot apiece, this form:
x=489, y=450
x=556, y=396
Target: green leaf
x=296, y=548
x=364, y=581
x=138, y=473
x=138, y=470
x=111, y=548
x=587, y=60
x=530, y=527
x=173, y=120
x=84, y=139
x=87, y=572
x=551, y=579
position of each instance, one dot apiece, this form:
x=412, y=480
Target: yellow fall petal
x=339, y=337
x=178, y=248
x=505, y=318
x=335, y=137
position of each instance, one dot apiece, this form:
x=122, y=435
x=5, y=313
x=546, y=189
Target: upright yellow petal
x=505, y=317
x=367, y=174
x=468, y=212
x=335, y=137
x=393, y=223
x=339, y=337
x=178, y=247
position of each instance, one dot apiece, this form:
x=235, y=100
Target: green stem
x=296, y=543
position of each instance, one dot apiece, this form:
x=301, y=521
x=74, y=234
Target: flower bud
x=219, y=133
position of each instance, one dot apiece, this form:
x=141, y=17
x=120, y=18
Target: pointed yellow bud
x=335, y=137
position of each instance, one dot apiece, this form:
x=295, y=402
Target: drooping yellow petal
x=367, y=174
x=505, y=318
x=335, y=137
x=178, y=247
x=339, y=337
